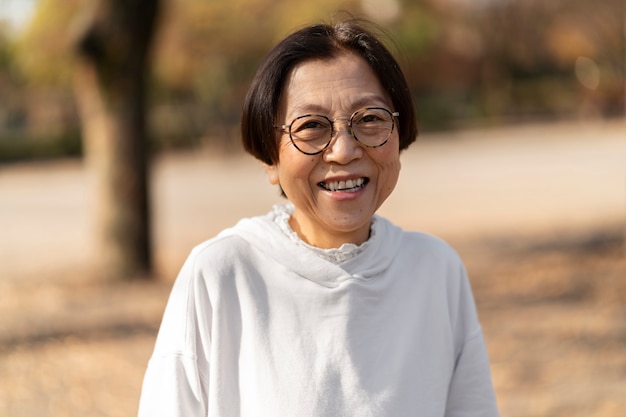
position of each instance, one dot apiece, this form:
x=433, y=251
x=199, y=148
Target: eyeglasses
x=312, y=133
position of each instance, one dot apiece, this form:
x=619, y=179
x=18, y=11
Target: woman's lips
x=345, y=186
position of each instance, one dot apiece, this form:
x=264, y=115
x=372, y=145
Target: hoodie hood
x=265, y=235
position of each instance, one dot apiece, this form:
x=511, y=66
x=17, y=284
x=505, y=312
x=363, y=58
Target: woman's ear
x=272, y=173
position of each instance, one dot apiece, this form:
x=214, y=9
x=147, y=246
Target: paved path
x=471, y=184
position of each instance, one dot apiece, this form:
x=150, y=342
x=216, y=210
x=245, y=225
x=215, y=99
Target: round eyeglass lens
x=311, y=133
x=373, y=126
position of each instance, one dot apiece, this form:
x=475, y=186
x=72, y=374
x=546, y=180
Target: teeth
x=346, y=186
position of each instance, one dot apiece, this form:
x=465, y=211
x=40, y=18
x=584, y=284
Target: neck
x=329, y=240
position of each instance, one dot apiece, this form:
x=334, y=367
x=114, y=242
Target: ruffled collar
x=282, y=214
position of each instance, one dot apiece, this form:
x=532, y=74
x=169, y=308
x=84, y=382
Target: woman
x=321, y=307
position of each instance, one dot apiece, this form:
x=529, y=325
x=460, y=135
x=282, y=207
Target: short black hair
x=321, y=41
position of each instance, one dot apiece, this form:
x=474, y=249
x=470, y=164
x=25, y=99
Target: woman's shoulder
x=235, y=244
x=220, y=247
x=415, y=242
x=428, y=241
x=424, y=246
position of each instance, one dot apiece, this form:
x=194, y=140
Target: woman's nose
x=343, y=148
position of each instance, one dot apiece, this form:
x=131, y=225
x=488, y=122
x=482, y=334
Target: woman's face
x=325, y=216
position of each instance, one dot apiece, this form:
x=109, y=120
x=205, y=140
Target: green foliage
x=20, y=146
x=416, y=33
x=43, y=52
x=6, y=51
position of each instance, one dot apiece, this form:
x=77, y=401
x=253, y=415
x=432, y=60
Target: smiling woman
x=327, y=213
x=321, y=307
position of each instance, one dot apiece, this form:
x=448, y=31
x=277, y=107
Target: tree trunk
x=110, y=87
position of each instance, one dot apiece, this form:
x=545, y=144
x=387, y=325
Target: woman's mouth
x=347, y=186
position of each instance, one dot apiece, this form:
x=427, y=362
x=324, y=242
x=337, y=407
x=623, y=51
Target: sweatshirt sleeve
x=176, y=380
x=471, y=392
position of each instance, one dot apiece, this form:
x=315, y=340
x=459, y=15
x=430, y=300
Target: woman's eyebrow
x=307, y=108
x=371, y=100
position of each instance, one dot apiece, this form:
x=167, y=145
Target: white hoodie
x=258, y=326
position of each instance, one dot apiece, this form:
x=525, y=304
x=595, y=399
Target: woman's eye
x=369, y=118
x=312, y=125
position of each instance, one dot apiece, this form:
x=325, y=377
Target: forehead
x=342, y=83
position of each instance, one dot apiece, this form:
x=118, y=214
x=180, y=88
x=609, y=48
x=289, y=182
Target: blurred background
x=520, y=165
x=469, y=63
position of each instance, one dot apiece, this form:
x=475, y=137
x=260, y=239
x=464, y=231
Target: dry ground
x=536, y=212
